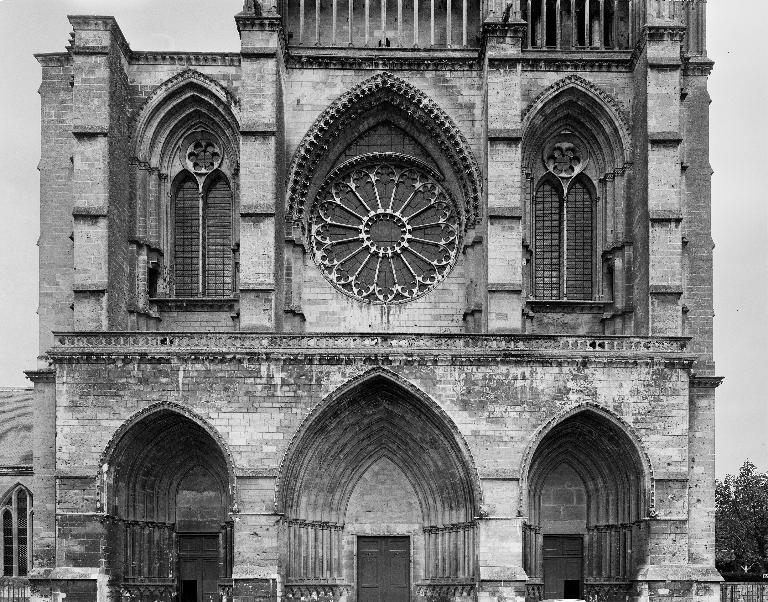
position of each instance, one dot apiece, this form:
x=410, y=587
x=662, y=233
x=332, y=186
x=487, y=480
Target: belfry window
x=563, y=236
x=202, y=226
x=16, y=518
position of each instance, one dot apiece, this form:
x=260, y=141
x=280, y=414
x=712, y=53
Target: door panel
x=383, y=569
x=198, y=568
x=563, y=563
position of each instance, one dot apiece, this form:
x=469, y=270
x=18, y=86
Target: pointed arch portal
x=586, y=492
x=378, y=459
x=167, y=492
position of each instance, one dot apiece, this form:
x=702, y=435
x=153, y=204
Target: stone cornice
x=574, y=60
x=99, y=23
x=697, y=66
x=41, y=376
x=187, y=59
x=387, y=59
x=449, y=349
x=12, y=471
x=706, y=382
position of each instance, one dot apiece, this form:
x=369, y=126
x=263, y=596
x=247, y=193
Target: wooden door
x=198, y=568
x=383, y=569
x=563, y=562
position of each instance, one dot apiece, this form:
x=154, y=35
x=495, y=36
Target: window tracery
x=16, y=513
x=383, y=229
x=563, y=226
x=202, y=223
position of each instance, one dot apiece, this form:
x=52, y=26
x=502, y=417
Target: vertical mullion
x=574, y=26
x=317, y=22
x=557, y=25
x=587, y=37
x=602, y=24
x=564, y=245
x=530, y=24
x=333, y=22
x=448, y=24
x=201, y=244
x=383, y=6
x=350, y=15
x=15, y=533
x=432, y=22
x=301, y=21
x=464, y=23
x=543, y=24
x=367, y=21
x=415, y=22
x=400, y=23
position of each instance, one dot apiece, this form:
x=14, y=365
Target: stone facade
x=225, y=389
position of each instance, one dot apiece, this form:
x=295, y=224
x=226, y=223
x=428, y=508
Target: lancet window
x=563, y=226
x=16, y=542
x=202, y=225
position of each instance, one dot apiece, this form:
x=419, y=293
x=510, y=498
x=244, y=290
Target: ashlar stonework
x=401, y=302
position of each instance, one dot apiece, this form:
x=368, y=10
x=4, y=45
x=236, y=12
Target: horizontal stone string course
x=188, y=342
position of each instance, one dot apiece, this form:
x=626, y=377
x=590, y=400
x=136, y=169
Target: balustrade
x=602, y=24
x=383, y=23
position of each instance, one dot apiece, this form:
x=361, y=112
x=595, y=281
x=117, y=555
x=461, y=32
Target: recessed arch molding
x=395, y=99
x=378, y=416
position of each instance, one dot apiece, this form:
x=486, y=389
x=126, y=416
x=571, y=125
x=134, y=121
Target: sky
x=739, y=134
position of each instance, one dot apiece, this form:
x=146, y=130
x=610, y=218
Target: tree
x=741, y=522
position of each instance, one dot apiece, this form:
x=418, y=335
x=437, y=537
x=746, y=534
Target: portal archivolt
x=378, y=458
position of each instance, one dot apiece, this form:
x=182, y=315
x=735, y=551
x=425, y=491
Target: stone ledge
x=94, y=347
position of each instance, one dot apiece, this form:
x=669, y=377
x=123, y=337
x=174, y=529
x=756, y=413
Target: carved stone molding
x=440, y=591
x=579, y=82
x=383, y=89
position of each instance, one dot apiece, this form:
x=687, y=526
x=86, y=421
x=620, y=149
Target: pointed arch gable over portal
x=380, y=98
x=378, y=417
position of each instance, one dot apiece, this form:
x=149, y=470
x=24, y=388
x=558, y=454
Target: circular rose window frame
x=383, y=229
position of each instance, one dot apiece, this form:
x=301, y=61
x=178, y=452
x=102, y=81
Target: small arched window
x=15, y=545
x=563, y=237
x=202, y=229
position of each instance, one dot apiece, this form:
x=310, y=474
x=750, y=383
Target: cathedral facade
x=407, y=300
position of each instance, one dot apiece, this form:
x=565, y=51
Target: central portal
x=383, y=569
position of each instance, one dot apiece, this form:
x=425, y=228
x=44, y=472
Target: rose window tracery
x=203, y=156
x=383, y=229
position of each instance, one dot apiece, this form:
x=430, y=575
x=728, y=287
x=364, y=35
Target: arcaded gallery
x=406, y=301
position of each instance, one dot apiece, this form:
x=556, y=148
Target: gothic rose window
x=383, y=229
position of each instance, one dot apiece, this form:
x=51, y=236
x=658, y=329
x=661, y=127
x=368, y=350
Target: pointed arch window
x=202, y=229
x=563, y=236
x=16, y=542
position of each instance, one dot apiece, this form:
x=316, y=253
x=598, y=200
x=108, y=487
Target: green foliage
x=741, y=522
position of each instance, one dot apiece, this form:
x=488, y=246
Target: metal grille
x=187, y=240
x=218, y=240
x=579, y=224
x=21, y=531
x=7, y=543
x=547, y=258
